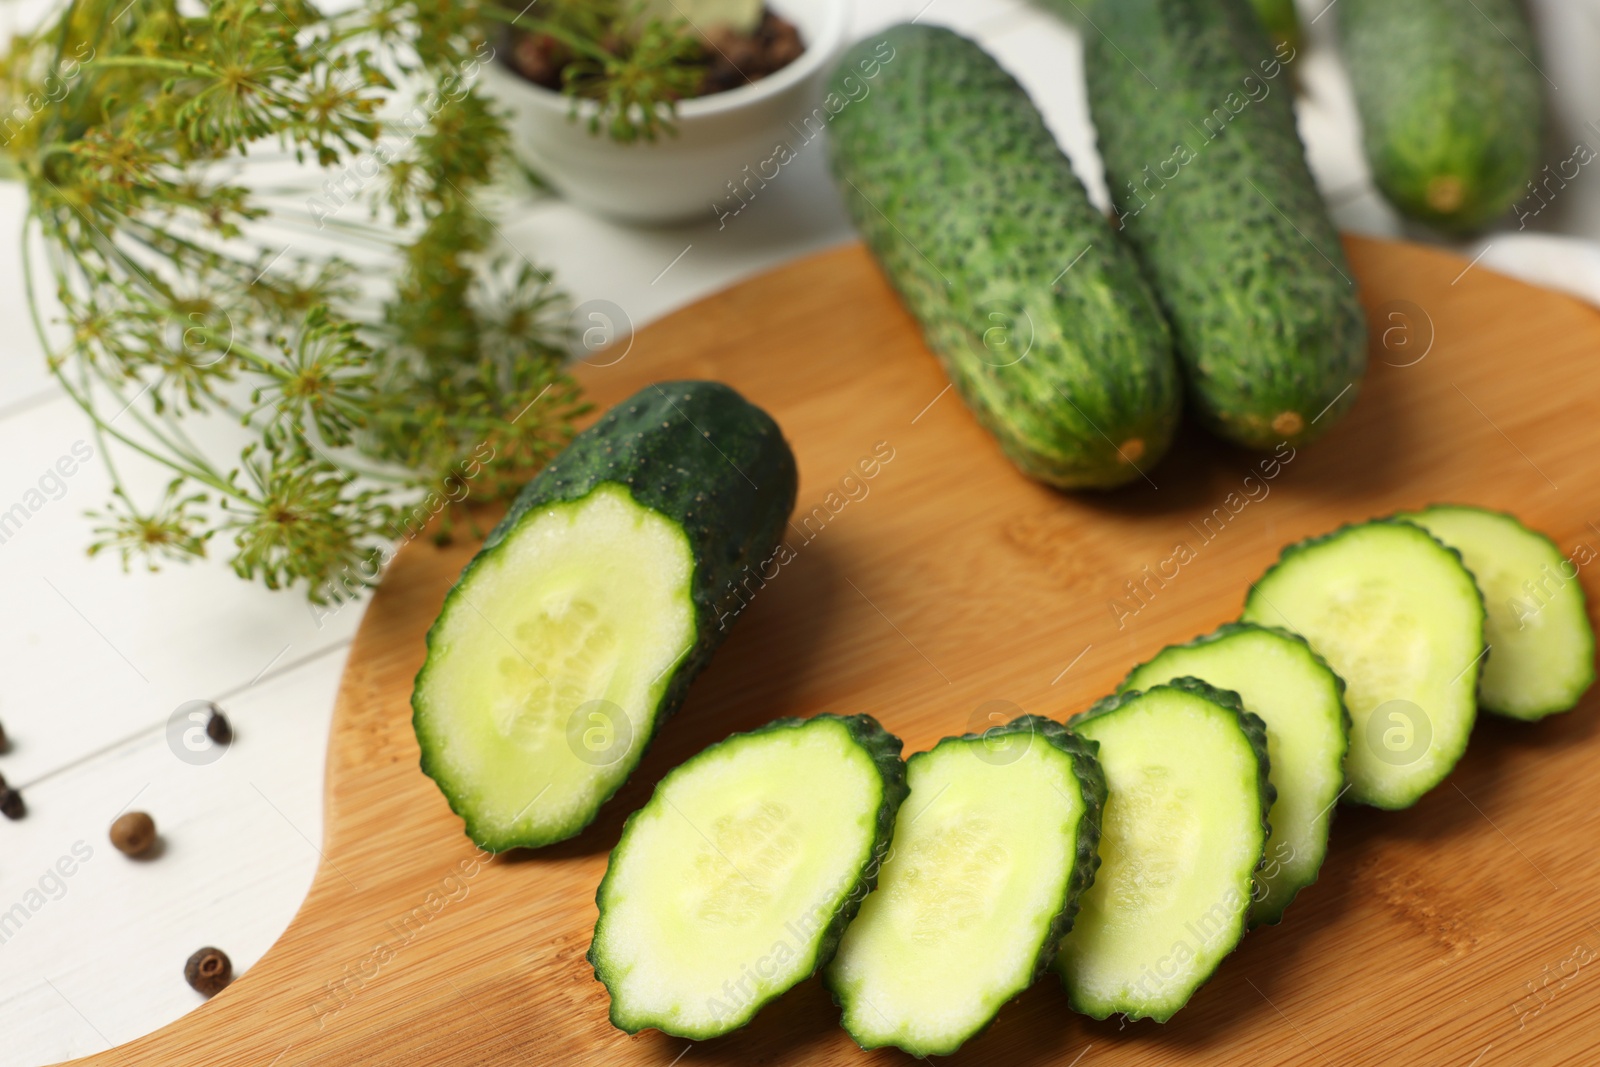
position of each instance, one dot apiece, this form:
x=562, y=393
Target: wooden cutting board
x=1458, y=932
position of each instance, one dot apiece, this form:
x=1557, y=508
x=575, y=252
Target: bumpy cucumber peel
x=640, y=444
x=1452, y=106
x=652, y=444
x=1210, y=181
x=1036, y=309
x=1254, y=730
x=884, y=750
x=1092, y=787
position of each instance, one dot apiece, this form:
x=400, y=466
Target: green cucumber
x=578, y=626
x=1399, y=618
x=1184, y=830
x=973, y=898
x=1036, y=310
x=1205, y=167
x=737, y=879
x=1285, y=683
x=1451, y=104
x=1541, y=646
x=1282, y=24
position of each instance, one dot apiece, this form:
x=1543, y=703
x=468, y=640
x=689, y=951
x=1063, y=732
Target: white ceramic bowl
x=674, y=179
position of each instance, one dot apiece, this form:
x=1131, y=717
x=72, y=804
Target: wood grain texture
x=1463, y=925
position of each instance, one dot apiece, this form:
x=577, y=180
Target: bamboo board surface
x=1457, y=932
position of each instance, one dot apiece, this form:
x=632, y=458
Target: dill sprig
x=141, y=130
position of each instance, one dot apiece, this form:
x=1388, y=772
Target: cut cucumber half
x=1541, y=645
x=1280, y=679
x=605, y=589
x=1184, y=831
x=1398, y=617
x=735, y=881
x=990, y=853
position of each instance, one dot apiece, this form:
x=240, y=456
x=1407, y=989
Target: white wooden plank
x=98, y=955
x=99, y=654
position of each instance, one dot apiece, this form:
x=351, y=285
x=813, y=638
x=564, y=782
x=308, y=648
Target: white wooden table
x=97, y=660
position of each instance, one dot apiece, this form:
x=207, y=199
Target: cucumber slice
x=1280, y=679
x=1398, y=617
x=577, y=628
x=989, y=857
x=735, y=881
x=1541, y=646
x=1184, y=830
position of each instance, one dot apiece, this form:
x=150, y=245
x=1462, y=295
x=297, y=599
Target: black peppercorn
x=11, y=805
x=133, y=833
x=208, y=971
x=218, y=728
x=4, y=744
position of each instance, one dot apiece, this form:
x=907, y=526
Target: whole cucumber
x=1036, y=309
x=1197, y=131
x=1451, y=103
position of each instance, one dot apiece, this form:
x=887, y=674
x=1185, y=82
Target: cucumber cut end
x=1541, y=643
x=547, y=663
x=1182, y=834
x=995, y=843
x=1395, y=613
x=729, y=886
x=1283, y=681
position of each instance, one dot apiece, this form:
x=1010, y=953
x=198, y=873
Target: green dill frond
x=174, y=530
x=134, y=126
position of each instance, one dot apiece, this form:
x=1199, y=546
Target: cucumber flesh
x=990, y=854
x=581, y=622
x=1541, y=645
x=1184, y=830
x=1398, y=617
x=1280, y=679
x=552, y=655
x=735, y=881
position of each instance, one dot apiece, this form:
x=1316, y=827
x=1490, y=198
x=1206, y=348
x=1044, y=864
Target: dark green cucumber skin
x=972, y=211
x=1254, y=730
x=1092, y=788
x=1446, y=89
x=884, y=748
x=705, y=458
x=1229, y=225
